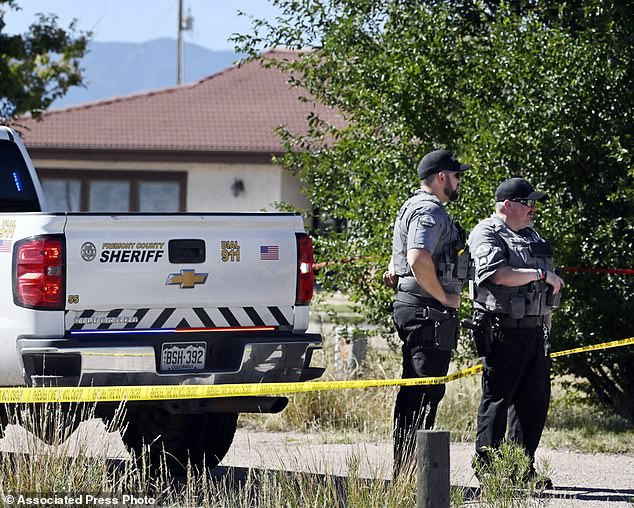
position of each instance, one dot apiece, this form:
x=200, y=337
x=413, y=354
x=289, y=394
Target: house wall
x=209, y=185
x=292, y=191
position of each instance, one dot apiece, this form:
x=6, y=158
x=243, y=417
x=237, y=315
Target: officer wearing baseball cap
x=517, y=188
x=437, y=161
x=429, y=265
x=514, y=293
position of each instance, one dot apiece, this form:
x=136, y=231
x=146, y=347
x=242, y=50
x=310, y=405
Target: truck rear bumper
x=120, y=360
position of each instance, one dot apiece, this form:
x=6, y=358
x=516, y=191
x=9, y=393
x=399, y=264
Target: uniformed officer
x=514, y=292
x=428, y=267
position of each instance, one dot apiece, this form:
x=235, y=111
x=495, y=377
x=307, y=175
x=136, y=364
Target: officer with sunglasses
x=514, y=293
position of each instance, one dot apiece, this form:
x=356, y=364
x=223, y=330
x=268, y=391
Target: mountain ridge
x=118, y=69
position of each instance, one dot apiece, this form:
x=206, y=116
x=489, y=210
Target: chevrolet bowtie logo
x=186, y=279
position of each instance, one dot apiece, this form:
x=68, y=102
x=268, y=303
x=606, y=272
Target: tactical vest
x=451, y=256
x=532, y=299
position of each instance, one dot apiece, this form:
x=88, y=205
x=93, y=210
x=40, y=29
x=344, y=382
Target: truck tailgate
x=149, y=271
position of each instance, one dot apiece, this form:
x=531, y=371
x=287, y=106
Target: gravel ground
x=581, y=480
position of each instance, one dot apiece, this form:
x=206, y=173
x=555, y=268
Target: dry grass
x=56, y=471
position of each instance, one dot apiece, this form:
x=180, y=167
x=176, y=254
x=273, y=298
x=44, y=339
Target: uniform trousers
x=516, y=375
x=416, y=406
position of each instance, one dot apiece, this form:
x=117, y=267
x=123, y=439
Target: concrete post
x=432, y=469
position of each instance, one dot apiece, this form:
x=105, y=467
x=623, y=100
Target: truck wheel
x=5, y=414
x=53, y=423
x=203, y=439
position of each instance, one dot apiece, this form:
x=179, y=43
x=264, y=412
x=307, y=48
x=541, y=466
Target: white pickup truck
x=100, y=299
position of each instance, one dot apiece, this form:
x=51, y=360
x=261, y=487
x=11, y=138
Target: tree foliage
x=537, y=89
x=37, y=67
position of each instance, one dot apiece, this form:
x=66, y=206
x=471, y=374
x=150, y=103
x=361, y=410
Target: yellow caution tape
x=172, y=392
x=79, y=394
x=605, y=345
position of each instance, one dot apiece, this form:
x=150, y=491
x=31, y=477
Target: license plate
x=183, y=355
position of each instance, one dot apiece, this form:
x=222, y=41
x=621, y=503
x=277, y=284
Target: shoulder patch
x=427, y=220
x=482, y=254
x=482, y=250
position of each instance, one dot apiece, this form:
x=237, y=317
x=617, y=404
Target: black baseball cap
x=517, y=188
x=437, y=161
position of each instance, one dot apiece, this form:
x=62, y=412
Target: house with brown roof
x=205, y=146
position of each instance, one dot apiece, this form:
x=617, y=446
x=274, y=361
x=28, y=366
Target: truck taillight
x=38, y=272
x=305, y=273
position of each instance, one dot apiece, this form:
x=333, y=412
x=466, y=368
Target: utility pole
x=183, y=24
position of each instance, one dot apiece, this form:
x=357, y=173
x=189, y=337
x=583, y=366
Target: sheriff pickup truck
x=101, y=299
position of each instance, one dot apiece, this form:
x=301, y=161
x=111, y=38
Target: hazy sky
x=142, y=20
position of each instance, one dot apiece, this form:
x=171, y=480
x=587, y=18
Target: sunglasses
x=531, y=203
x=454, y=173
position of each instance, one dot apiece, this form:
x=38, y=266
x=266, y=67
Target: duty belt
x=403, y=296
x=525, y=322
x=429, y=311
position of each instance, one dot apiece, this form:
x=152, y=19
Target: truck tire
x=52, y=423
x=203, y=439
x=4, y=418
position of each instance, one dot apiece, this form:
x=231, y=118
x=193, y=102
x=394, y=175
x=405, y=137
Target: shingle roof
x=235, y=110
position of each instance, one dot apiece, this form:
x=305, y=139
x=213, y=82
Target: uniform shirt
x=494, y=245
x=423, y=223
x=487, y=248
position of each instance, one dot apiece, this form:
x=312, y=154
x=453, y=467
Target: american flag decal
x=5, y=245
x=269, y=252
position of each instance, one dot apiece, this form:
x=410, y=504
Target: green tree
x=540, y=89
x=37, y=67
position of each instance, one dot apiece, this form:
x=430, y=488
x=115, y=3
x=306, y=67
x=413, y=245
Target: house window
x=158, y=196
x=109, y=196
x=62, y=194
x=113, y=191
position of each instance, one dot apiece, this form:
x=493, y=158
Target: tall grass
x=575, y=424
x=504, y=481
x=43, y=471
x=66, y=466
x=80, y=468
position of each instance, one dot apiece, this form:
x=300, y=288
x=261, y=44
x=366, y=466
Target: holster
x=483, y=330
x=445, y=328
x=444, y=333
